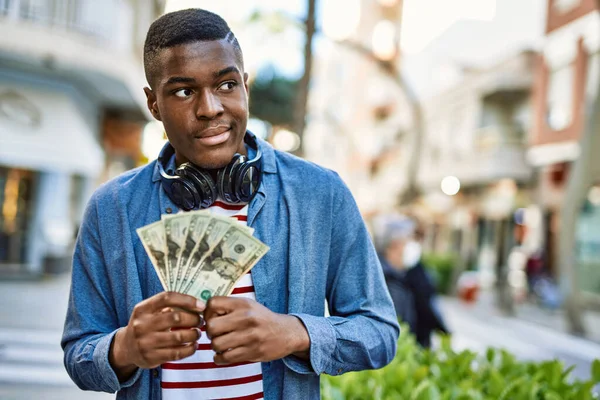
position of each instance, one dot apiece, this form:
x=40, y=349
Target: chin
x=213, y=161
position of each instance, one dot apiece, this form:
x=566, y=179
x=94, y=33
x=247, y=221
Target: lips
x=214, y=136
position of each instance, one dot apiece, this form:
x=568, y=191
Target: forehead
x=196, y=59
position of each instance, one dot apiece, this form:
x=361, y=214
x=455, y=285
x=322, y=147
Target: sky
x=438, y=37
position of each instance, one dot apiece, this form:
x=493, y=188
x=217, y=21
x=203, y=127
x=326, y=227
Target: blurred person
x=398, y=241
x=124, y=334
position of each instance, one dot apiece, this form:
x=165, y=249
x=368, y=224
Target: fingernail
x=199, y=332
x=200, y=305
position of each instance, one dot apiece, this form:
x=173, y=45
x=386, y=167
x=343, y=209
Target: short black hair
x=182, y=27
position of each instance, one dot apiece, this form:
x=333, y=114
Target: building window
x=4, y=7
x=564, y=6
x=36, y=10
x=16, y=200
x=560, y=97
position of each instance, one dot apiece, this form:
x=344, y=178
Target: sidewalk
x=554, y=319
x=31, y=323
x=32, y=316
x=534, y=335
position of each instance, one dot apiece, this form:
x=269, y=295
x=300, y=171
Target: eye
x=228, y=86
x=183, y=93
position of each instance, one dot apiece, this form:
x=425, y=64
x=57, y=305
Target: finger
x=161, y=356
x=177, y=338
x=221, y=305
x=175, y=318
x=230, y=341
x=172, y=299
x=220, y=325
x=236, y=355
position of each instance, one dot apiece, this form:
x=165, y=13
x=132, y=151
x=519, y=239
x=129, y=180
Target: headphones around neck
x=192, y=187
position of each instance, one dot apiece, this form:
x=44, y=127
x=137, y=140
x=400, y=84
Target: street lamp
x=450, y=185
x=383, y=41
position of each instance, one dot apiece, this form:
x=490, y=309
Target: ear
x=246, y=84
x=151, y=103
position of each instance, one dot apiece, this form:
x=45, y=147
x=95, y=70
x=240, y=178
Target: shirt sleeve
x=362, y=329
x=91, y=322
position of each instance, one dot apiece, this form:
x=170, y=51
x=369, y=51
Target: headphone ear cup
x=247, y=181
x=182, y=192
x=203, y=184
x=226, y=179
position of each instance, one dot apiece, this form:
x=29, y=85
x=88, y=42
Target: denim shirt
x=320, y=255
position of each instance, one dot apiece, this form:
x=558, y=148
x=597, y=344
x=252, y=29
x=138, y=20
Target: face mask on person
x=411, y=254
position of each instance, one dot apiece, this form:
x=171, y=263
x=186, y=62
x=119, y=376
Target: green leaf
x=596, y=371
x=567, y=372
x=426, y=391
x=490, y=355
x=511, y=387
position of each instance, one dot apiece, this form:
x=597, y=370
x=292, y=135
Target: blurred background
x=477, y=118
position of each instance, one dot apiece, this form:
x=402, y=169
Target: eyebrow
x=216, y=75
x=226, y=71
x=179, y=79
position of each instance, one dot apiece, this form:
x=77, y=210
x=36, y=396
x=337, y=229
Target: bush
x=443, y=374
x=440, y=267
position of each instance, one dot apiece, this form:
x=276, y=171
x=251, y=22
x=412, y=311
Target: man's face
x=395, y=252
x=200, y=93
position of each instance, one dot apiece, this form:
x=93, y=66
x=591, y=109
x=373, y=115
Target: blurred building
x=71, y=116
x=360, y=119
x=566, y=85
x=473, y=170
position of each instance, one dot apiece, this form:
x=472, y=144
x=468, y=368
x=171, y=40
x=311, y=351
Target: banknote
x=176, y=230
x=235, y=254
x=198, y=223
x=200, y=253
x=216, y=229
x=153, y=239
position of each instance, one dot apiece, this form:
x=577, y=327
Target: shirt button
x=339, y=371
x=155, y=373
x=169, y=210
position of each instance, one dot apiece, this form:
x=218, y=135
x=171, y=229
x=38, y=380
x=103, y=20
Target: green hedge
x=443, y=374
x=441, y=268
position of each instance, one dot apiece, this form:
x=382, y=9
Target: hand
x=244, y=330
x=148, y=341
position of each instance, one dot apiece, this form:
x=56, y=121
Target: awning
x=44, y=130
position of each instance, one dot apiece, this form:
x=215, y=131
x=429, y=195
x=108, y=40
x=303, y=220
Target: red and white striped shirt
x=198, y=377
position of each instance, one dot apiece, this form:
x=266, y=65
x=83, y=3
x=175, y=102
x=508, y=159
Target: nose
x=208, y=106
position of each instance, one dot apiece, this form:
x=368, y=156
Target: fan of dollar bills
x=200, y=254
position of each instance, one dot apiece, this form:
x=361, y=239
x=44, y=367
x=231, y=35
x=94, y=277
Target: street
x=33, y=312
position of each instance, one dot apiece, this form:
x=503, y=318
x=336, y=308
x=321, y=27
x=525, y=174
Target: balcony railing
x=95, y=19
x=494, y=136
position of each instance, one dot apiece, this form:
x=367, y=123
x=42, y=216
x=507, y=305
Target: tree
x=583, y=174
x=303, y=87
x=389, y=68
x=273, y=99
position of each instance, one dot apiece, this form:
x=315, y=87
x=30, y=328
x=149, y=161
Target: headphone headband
x=192, y=187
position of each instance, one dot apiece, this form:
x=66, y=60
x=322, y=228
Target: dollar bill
x=233, y=257
x=199, y=221
x=153, y=239
x=216, y=229
x=176, y=231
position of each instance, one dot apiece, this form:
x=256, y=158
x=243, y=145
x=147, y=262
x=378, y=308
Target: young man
x=271, y=340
